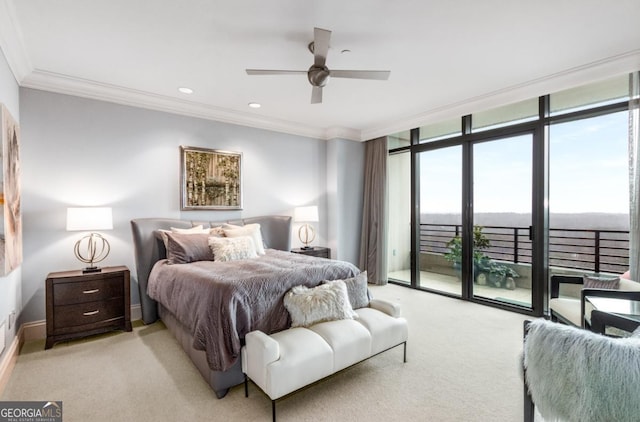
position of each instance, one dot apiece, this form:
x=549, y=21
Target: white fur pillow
x=232, y=248
x=326, y=302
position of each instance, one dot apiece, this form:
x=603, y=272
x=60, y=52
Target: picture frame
x=11, y=227
x=210, y=179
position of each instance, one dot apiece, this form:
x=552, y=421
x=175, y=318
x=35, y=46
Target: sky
x=588, y=171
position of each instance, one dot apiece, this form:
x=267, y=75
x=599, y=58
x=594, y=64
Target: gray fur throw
x=578, y=376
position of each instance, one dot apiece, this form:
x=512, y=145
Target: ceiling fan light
x=254, y=105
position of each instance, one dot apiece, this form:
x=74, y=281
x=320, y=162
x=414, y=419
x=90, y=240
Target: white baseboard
x=136, y=312
x=9, y=359
x=36, y=330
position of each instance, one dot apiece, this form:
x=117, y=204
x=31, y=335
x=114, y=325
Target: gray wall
x=345, y=186
x=10, y=286
x=81, y=152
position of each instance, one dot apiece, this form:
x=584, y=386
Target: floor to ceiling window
x=484, y=184
x=399, y=209
x=440, y=219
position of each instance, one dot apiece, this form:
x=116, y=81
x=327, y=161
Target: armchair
x=576, y=375
x=573, y=310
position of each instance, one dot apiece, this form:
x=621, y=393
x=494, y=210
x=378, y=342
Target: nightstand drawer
x=88, y=313
x=87, y=291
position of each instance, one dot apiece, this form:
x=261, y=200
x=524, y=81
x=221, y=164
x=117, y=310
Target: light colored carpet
x=462, y=365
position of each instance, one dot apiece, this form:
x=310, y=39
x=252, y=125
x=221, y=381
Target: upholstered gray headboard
x=276, y=233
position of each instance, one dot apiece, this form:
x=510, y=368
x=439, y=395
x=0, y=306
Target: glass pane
x=440, y=219
x=442, y=130
x=502, y=189
x=523, y=111
x=399, y=233
x=602, y=93
x=399, y=140
x=589, y=196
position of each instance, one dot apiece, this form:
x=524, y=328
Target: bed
x=243, y=296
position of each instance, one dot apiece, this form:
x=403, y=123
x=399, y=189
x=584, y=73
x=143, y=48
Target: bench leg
x=405, y=352
x=273, y=410
x=246, y=386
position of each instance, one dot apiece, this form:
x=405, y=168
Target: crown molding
x=337, y=132
x=580, y=75
x=63, y=84
x=12, y=43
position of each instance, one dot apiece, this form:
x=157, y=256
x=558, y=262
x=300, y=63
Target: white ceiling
x=446, y=57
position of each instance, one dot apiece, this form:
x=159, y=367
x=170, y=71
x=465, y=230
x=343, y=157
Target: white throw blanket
x=575, y=375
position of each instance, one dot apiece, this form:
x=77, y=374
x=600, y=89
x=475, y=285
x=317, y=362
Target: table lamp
x=306, y=232
x=91, y=248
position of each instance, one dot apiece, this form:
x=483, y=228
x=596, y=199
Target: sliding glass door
x=502, y=210
x=440, y=220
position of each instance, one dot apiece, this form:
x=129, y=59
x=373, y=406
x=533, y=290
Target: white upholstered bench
x=286, y=361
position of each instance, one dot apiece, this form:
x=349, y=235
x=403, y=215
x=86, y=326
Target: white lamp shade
x=305, y=214
x=89, y=218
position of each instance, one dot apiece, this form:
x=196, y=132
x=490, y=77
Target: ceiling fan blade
x=275, y=72
x=381, y=75
x=321, y=39
x=316, y=95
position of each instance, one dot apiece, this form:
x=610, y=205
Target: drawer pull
x=88, y=292
x=91, y=313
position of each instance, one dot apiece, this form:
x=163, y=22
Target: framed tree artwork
x=210, y=179
x=11, y=233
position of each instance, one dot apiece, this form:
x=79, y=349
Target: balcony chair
x=576, y=375
x=572, y=310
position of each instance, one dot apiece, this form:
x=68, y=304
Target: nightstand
x=314, y=251
x=81, y=304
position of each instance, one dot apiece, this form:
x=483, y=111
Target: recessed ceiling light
x=255, y=105
x=185, y=90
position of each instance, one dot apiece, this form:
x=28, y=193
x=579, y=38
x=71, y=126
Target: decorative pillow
x=232, y=248
x=183, y=248
x=595, y=282
x=192, y=230
x=252, y=230
x=216, y=232
x=326, y=302
x=357, y=290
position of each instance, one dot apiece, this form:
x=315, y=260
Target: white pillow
x=252, y=230
x=232, y=248
x=194, y=229
x=326, y=302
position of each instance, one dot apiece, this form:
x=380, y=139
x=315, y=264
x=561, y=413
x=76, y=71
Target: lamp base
x=91, y=270
x=306, y=248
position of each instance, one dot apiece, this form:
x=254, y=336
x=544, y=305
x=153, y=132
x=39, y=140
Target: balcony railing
x=582, y=249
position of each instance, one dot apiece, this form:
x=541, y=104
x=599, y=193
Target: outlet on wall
x=2, y=336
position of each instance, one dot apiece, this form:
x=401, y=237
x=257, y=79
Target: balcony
x=570, y=251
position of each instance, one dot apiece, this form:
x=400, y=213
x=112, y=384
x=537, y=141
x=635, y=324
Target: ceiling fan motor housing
x=318, y=75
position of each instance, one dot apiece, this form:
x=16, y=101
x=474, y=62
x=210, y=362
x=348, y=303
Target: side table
x=318, y=251
x=81, y=304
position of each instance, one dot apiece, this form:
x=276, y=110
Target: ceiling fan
x=318, y=74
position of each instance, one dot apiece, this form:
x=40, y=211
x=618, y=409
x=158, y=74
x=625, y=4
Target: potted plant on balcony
x=485, y=270
x=501, y=275
x=480, y=260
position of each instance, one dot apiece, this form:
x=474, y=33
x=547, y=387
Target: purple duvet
x=220, y=302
